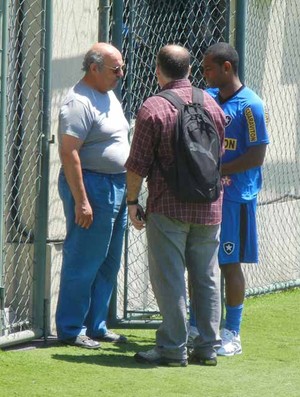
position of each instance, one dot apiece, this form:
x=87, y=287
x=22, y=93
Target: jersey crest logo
x=228, y=247
x=228, y=120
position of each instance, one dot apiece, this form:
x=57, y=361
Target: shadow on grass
x=109, y=355
x=102, y=359
x=134, y=344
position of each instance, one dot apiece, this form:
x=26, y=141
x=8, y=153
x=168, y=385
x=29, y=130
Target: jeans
x=173, y=246
x=91, y=257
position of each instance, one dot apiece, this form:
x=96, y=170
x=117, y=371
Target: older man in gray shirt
x=93, y=148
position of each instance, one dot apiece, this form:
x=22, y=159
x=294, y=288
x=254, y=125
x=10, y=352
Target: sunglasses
x=116, y=69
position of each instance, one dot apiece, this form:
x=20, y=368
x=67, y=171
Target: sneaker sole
x=168, y=363
x=230, y=354
x=208, y=362
x=81, y=345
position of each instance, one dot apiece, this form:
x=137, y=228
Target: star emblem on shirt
x=226, y=180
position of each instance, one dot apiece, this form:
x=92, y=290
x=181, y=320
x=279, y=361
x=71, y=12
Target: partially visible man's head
x=174, y=62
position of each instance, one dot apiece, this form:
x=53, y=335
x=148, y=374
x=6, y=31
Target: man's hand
x=137, y=216
x=83, y=215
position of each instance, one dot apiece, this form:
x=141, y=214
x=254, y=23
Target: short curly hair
x=223, y=52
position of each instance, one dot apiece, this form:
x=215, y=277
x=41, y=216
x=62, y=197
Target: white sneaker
x=231, y=343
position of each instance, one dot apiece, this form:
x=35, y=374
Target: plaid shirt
x=153, y=134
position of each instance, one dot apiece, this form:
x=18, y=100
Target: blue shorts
x=238, y=241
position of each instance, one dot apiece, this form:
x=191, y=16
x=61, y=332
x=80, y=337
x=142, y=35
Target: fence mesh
x=272, y=70
x=148, y=25
x=23, y=154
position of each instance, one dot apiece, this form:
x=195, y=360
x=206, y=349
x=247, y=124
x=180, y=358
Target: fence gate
x=267, y=37
x=25, y=47
x=147, y=26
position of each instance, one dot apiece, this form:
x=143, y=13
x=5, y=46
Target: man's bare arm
x=70, y=159
x=254, y=157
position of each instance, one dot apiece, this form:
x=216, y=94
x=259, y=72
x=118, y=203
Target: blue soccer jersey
x=245, y=127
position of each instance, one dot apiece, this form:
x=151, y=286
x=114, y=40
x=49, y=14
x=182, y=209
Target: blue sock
x=192, y=318
x=234, y=317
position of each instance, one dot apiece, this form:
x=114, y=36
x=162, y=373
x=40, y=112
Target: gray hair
x=92, y=57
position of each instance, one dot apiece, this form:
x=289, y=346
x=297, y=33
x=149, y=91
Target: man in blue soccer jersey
x=246, y=139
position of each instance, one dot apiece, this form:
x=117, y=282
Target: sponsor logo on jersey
x=267, y=116
x=230, y=144
x=228, y=247
x=228, y=120
x=251, y=125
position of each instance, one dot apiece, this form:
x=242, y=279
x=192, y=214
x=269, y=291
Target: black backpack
x=195, y=174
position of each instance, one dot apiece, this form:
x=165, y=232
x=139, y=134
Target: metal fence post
x=4, y=23
x=40, y=243
x=116, y=34
x=241, y=9
x=103, y=30
x=117, y=28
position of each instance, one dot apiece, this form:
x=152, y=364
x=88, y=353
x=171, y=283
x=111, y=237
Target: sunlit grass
x=268, y=367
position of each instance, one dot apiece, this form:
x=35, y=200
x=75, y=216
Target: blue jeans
x=91, y=257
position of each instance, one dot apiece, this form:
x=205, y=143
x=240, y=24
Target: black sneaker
x=81, y=341
x=209, y=360
x=153, y=357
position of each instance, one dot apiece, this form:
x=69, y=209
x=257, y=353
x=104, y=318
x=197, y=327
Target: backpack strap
x=178, y=103
x=172, y=97
x=175, y=100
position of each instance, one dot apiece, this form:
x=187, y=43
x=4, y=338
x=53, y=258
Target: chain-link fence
x=270, y=54
x=147, y=26
x=23, y=85
x=271, y=68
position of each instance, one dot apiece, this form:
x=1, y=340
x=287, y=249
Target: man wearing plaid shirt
x=179, y=234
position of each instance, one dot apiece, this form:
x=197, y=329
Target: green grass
x=268, y=367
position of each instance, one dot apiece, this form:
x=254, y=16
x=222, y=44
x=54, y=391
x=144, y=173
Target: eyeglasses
x=116, y=69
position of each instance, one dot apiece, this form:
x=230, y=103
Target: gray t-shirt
x=98, y=120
